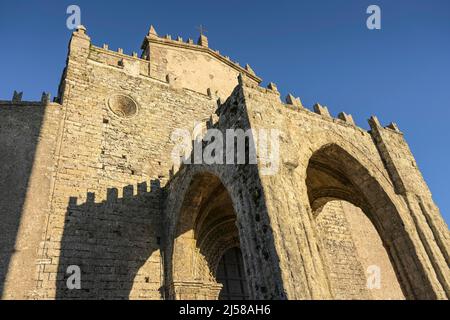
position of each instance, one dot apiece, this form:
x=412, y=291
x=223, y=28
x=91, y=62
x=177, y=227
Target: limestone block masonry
x=88, y=180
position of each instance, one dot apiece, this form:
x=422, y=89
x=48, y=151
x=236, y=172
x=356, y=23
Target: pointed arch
x=335, y=173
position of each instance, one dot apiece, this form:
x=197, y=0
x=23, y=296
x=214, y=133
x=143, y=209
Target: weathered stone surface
x=90, y=181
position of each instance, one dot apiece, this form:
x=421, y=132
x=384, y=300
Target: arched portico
x=211, y=209
x=335, y=176
x=205, y=231
x=210, y=218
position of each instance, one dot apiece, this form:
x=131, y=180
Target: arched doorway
x=357, y=227
x=206, y=245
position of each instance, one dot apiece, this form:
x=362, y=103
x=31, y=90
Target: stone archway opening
x=207, y=262
x=355, y=224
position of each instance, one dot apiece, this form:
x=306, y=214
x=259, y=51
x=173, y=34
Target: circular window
x=122, y=106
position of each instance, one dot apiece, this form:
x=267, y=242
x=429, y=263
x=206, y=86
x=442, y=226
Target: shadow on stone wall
x=20, y=126
x=111, y=241
x=205, y=190
x=197, y=187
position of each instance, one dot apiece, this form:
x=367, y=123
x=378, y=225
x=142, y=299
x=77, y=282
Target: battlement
x=17, y=100
x=295, y=104
x=115, y=194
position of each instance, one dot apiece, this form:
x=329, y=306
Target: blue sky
x=319, y=50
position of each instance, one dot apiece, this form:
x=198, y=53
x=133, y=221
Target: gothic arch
x=335, y=173
x=210, y=209
x=204, y=231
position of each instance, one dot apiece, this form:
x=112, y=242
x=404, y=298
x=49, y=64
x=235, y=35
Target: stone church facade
x=88, y=180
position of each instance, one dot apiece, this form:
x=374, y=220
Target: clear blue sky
x=318, y=50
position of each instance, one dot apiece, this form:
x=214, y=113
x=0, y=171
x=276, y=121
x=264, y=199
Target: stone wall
x=112, y=166
x=346, y=274
x=28, y=140
x=352, y=247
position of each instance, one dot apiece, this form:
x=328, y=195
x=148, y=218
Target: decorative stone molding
x=194, y=290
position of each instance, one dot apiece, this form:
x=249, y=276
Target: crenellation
x=45, y=98
x=393, y=126
x=322, y=110
x=17, y=96
x=296, y=107
x=11, y=103
x=119, y=53
x=374, y=122
x=273, y=87
x=346, y=118
x=112, y=195
x=290, y=99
